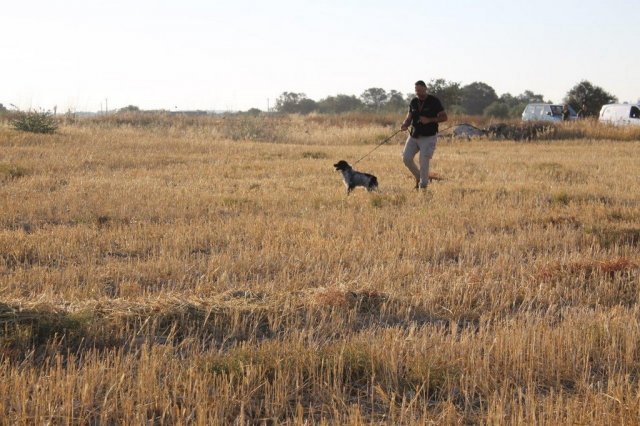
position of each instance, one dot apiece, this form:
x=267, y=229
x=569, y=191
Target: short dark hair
x=421, y=83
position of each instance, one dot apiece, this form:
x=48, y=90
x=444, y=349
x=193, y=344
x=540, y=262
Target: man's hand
x=442, y=116
x=406, y=122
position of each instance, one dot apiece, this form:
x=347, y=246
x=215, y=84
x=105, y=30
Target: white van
x=620, y=114
x=546, y=112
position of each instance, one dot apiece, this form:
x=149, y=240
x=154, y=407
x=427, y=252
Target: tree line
x=477, y=98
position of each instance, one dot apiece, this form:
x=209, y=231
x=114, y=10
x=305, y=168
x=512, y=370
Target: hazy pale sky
x=197, y=54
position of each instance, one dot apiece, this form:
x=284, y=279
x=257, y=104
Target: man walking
x=584, y=111
x=425, y=112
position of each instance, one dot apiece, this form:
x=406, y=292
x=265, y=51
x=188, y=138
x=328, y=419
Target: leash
x=389, y=138
x=377, y=146
x=445, y=129
x=461, y=124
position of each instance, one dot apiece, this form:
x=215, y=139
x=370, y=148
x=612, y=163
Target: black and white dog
x=354, y=178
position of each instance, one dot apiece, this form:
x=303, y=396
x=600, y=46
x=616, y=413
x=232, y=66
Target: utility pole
x=106, y=106
x=267, y=104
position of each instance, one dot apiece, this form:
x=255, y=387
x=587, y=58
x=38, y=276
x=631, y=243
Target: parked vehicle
x=620, y=114
x=546, y=112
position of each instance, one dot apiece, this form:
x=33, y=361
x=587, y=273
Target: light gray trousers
x=425, y=145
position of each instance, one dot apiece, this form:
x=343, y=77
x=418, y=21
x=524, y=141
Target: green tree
x=593, y=97
x=254, y=112
x=3, y=109
x=129, y=108
x=497, y=109
x=306, y=106
x=517, y=104
x=339, y=104
x=290, y=102
x=529, y=97
x=395, y=101
x=448, y=92
x=374, y=98
x=476, y=97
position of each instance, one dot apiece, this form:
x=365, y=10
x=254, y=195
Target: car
x=620, y=114
x=546, y=112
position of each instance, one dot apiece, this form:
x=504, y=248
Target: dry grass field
x=173, y=270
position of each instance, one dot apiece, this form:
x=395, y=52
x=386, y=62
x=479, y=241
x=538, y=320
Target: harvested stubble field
x=168, y=270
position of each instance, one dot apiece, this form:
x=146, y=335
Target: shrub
x=35, y=122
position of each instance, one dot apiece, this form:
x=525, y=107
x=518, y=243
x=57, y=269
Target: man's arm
x=441, y=117
x=406, y=122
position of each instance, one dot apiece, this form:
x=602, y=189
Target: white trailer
x=620, y=114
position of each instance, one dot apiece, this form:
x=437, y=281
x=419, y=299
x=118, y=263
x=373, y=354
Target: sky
x=84, y=55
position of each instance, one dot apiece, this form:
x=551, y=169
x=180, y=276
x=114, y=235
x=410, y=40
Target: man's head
x=421, y=89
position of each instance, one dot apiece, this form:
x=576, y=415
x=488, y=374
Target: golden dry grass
x=211, y=271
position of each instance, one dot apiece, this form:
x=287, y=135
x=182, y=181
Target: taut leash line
x=377, y=146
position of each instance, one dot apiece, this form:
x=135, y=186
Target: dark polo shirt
x=430, y=107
